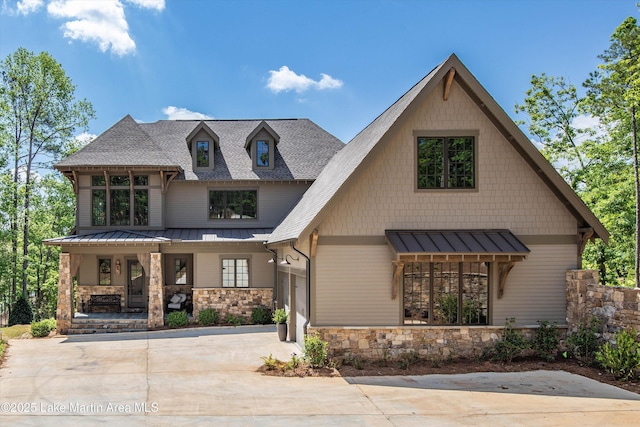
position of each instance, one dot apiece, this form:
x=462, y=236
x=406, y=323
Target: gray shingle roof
x=303, y=150
x=309, y=210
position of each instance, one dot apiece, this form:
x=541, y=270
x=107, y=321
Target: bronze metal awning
x=442, y=245
x=499, y=246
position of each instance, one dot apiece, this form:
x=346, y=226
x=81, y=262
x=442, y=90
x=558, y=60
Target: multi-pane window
x=104, y=271
x=446, y=162
x=262, y=154
x=235, y=273
x=123, y=204
x=240, y=204
x=180, y=271
x=446, y=293
x=202, y=154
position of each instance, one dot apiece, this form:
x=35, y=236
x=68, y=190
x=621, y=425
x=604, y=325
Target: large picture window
x=242, y=204
x=235, y=273
x=122, y=202
x=446, y=293
x=446, y=162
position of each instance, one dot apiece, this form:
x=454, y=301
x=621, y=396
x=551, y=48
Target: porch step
x=101, y=326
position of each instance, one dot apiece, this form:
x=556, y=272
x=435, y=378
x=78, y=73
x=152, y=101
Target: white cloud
x=102, y=22
x=25, y=7
x=149, y=4
x=178, y=113
x=285, y=80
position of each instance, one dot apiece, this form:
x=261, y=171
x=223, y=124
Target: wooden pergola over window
x=491, y=246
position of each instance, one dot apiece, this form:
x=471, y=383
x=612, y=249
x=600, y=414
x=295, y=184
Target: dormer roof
x=202, y=126
x=262, y=126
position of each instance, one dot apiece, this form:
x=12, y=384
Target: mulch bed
x=457, y=366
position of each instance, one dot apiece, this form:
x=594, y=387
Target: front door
x=136, y=295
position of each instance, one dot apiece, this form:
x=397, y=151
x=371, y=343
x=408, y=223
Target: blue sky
x=338, y=63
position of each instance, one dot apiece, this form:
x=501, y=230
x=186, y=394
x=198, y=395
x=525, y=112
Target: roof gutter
x=307, y=286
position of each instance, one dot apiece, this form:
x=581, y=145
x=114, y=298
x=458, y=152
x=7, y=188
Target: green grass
x=14, y=331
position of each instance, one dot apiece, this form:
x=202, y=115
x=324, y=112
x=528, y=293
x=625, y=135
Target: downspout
x=307, y=285
x=274, y=297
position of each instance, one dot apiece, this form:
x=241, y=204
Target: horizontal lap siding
x=535, y=288
x=353, y=286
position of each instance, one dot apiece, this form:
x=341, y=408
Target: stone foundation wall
x=83, y=293
x=373, y=343
x=616, y=307
x=235, y=301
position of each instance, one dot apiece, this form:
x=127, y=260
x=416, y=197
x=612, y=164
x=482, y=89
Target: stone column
x=156, y=297
x=64, y=311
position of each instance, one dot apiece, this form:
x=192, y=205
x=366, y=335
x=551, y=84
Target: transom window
x=202, y=154
x=446, y=293
x=122, y=202
x=262, y=154
x=446, y=162
x=104, y=271
x=180, y=271
x=237, y=204
x=235, y=273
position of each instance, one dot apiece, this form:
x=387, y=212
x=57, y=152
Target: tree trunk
x=634, y=129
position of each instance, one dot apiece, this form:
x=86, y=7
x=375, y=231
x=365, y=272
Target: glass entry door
x=136, y=295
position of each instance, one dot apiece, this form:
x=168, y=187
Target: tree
x=38, y=117
x=613, y=94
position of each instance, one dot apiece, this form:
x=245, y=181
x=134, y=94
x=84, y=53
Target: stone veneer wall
x=391, y=342
x=84, y=292
x=235, y=301
x=616, y=307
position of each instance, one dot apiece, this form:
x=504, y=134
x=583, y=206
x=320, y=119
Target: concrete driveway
x=207, y=376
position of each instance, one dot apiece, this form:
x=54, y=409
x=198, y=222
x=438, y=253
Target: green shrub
x=21, y=312
x=546, y=340
x=584, y=343
x=623, y=358
x=234, y=320
x=512, y=344
x=280, y=316
x=270, y=363
x=261, y=315
x=42, y=328
x=177, y=319
x=315, y=351
x=208, y=317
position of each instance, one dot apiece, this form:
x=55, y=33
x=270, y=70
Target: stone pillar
x=156, y=297
x=64, y=311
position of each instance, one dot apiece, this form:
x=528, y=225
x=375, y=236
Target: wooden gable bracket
x=314, y=243
x=447, y=83
x=398, y=268
x=584, y=234
x=72, y=176
x=504, y=269
x=166, y=178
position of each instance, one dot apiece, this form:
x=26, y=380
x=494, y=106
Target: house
x=435, y=224
x=183, y=207
x=424, y=233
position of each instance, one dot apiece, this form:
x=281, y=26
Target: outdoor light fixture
x=117, y=267
x=285, y=261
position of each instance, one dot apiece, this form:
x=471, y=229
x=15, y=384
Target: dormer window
x=262, y=154
x=261, y=146
x=202, y=154
x=202, y=142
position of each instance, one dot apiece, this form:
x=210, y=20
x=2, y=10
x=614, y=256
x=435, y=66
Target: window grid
x=262, y=154
x=202, y=154
x=104, y=271
x=446, y=162
x=235, y=273
x=114, y=207
x=241, y=204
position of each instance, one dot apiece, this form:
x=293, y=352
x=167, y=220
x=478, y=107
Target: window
x=235, y=273
x=202, y=154
x=446, y=162
x=113, y=207
x=434, y=292
x=262, y=154
x=180, y=271
x=241, y=204
x=104, y=271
